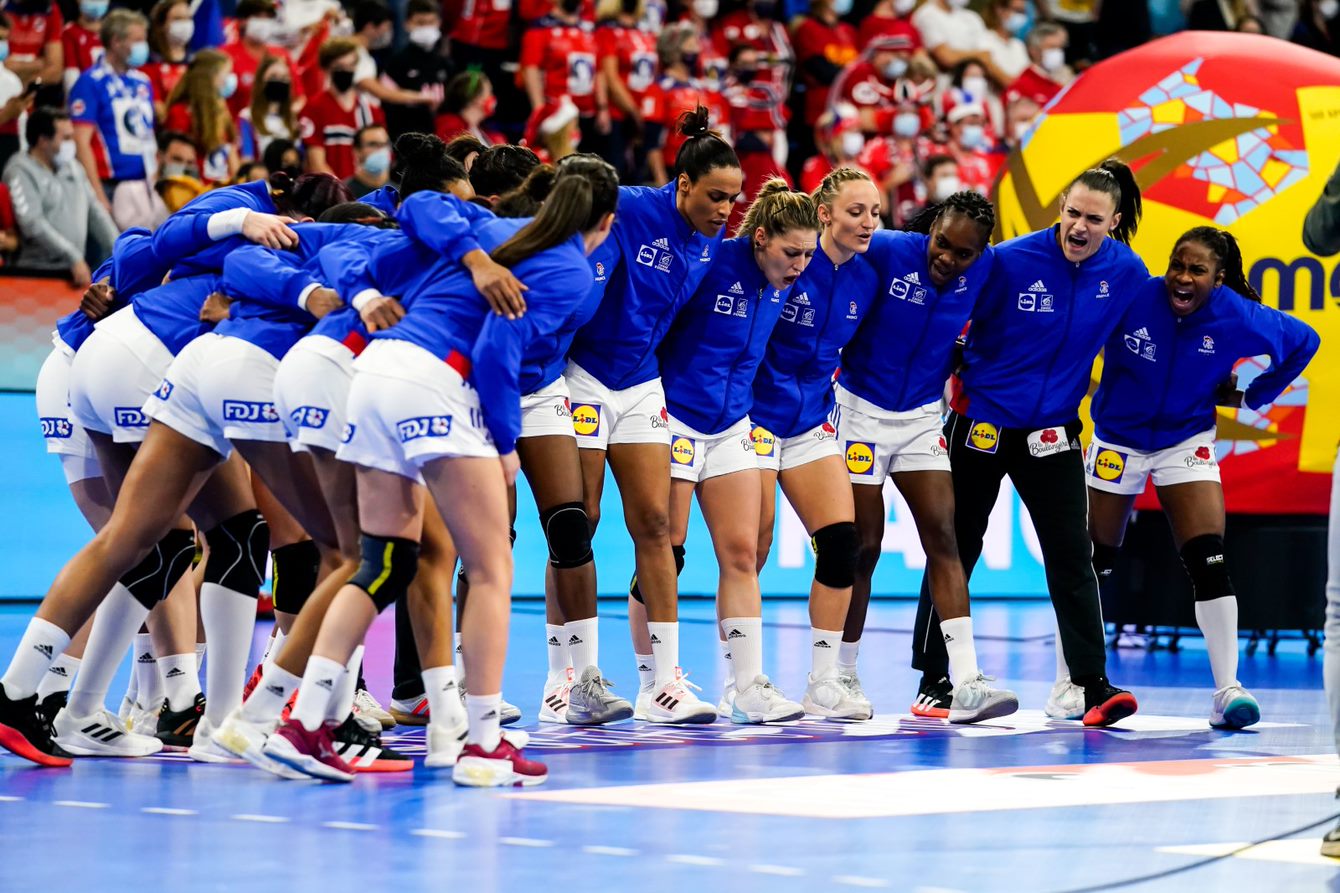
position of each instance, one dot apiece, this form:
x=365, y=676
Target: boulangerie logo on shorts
x=1047, y=442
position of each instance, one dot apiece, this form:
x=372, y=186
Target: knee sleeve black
x=296, y=567
x=1104, y=559
x=237, y=550
x=568, y=532
x=1203, y=558
x=835, y=549
x=678, y=552
x=389, y=565
x=152, y=579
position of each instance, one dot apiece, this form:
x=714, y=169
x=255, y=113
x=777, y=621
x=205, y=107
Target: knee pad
x=237, y=550
x=1203, y=558
x=389, y=565
x=678, y=552
x=152, y=579
x=835, y=550
x=1104, y=559
x=568, y=532
x=296, y=567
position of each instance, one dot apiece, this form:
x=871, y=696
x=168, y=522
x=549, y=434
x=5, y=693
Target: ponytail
x=778, y=210
x=704, y=149
x=310, y=195
x=1116, y=179
x=525, y=200
x=1229, y=255
x=584, y=190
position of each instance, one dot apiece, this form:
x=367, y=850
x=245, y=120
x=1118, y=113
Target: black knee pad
x=152, y=579
x=835, y=550
x=237, y=550
x=389, y=565
x=1104, y=559
x=678, y=552
x=296, y=567
x=568, y=532
x=1203, y=558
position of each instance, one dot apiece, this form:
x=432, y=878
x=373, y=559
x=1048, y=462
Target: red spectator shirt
x=636, y=51
x=882, y=26
x=861, y=85
x=814, y=39
x=976, y=169
x=758, y=105
x=669, y=98
x=449, y=125
x=814, y=171
x=164, y=76
x=768, y=37
x=1031, y=83
x=245, y=65
x=487, y=23
x=213, y=166
x=566, y=57
x=325, y=124
x=82, y=47
x=881, y=155
x=29, y=35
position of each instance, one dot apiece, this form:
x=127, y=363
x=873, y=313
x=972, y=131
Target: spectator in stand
x=867, y=84
x=1250, y=24
x=893, y=161
x=710, y=63
x=940, y=178
x=823, y=45
x=170, y=31
x=1047, y=72
x=553, y=131
x=198, y=107
x=14, y=100
x=467, y=103
x=112, y=106
x=970, y=147
x=331, y=119
x=283, y=155
x=1021, y=109
x=372, y=152
x=178, y=175
x=627, y=57
x=558, y=58
x=954, y=34
x=373, y=33
x=969, y=83
x=251, y=172
x=81, y=44
x=257, y=31
x=677, y=92
x=1318, y=26
x=35, y=54
x=63, y=226
x=890, y=18
x=1079, y=18
x=1279, y=16
x=418, y=68
x=270, y=115
x=840, y=144
x=481, y=40
x=1004, y=19
x=758, y=116
x=744, y=25
x=1211, y=15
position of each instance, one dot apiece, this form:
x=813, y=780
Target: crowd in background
x=114, y=117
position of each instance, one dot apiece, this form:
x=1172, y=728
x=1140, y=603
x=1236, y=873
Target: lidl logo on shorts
x=764, y=441
x=164, y=390
x=983, y=437
x=860, y=457
x=55, y=426
x=586, y=419
x=423, y=426
x=309, y=417
x=249, y=411
x=1109, y=465
x=348, y=433
x=681, y=451
x=129, y=417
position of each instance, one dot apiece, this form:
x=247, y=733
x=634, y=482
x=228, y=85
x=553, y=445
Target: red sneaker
x=1107, y=704
x=312, y=753
x=505, y=766
x=252, y=683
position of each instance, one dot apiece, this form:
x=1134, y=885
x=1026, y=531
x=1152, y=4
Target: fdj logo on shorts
x=860, y=457
x=55, y=426
x=764, y=441
x=129, y=417
x=983, y=437
x=309, y=417
x=1109, y=465
x=423, y=426
x=681, y=451
x=586, y=419
x=249, y=411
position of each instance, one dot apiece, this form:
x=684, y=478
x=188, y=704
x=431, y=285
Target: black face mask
x=630, y=7
x=342, y=81
x=571, y=7
x=746, y=75
x=691, y=60
x=277, y=91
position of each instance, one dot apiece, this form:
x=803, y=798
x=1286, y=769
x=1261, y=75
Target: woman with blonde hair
x=198, y=106
x=270, y=115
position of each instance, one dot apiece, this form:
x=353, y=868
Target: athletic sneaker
x=504, y=766
x=144, y=720
x=591, y=703
x=507, y=713
x=933, y=698
x=857, y=694
x=554, y=703
x=52, y=704
x=1066, y=700
x=727, y=702
x=25, y=731
x=410, y=711
x=176, y=728
x=312, y=753
x=445, y=743
x=1105, y=704
x=975, y=701
x=246, y=739
x=203, y=747
x=127, y=705
x=675, y=703
x=828, y=697
x=1234, y=708
x=253, y=681
x=366, y=705
x=101, y=734
x=763, y=702
x=364, y=751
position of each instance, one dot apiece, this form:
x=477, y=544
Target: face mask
x=277, y=91
x=139, y=54
x=342, y=28
x=895, y=69
x=176, y=169
x=630, y=7
x=906, y=125
x=490, y=105
x=342, y=81
x=852, y=143
x=1328, y=8
x=94, y=9
x=65, y=154
x=746, y=75
x=842, y=7
x=571, y=7
x=944, y=188
x=381, y=41
x=181, y=31
x=691, y=60
x=4, y=50
x=975, y=87
x=1053, y=58
x=425, y=38
x=1016, y=22
x=229, y=86
x=903, y=7
x=764, y=8
x=705, y=9
x=378, y=163
x=260, y=29
x=972, y=136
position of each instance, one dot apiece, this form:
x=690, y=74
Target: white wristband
x=223, y=224
x=363, y=297
x=307, y=293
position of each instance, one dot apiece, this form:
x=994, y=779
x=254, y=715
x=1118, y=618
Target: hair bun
x=281, y=182
x=695, y=124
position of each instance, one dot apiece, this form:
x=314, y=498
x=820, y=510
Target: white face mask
x=976, y=87
x=903, y=7
x=426, y=37
x=705, y=9
x=906, y=124
x=1053, y=58
x=895, y=69
x=181, y=31
x=1328, y=8
x=972, y=137
x=1015, y=22
x=260, y=29
x=381, y=41
x=342, y=28
x=852, y=143
x=945, y=187
x=65, y=154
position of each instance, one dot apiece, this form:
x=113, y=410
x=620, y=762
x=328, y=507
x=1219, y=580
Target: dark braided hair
x=1116, y=179
x=357, y=212
x=972, y=205
x=425, y=164
x=1226, y=251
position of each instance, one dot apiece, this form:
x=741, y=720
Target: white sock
x=724, y=647
x=557, y=649
x=42, y=642
x=273, y=644
x=59, y=676
x=847, y=653
x=133, y=688
x=665, y=650
x=1218, y=622
x=229, y=618
x=114, y=627
x=1062, y=668
x=199, y=655
x=343, y=703
x=744, y=635
x=149, y=682
x=444, y=698
x=483, y=713
x=823, y=651
x=181, y=683
x=267, y=700
x=316, y=692
x=646, y=671
x=583, y=643
x=962, y=652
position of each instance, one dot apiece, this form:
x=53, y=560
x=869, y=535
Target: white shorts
x=1116, y=469
x=696, y=457
x=63, y=434
x=312, y=390
x=601, y=417
x=782, y=454
x=115, y=371
x=407, y=407
x=878, y=446
x=547, y=412
x=219, y=389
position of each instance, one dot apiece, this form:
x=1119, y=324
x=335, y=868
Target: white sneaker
x=101, y=734
x=410, y=711
x=445, y=743
x=830, y=698
x=204, y=749
x=246, y=739
x=143, y=720
x=642, y=704
x=727, y=702
x=1066, y=700
x=764, y=702
x=675, y=703
x=127, y=705
x=1234, y=708
x=366, y=705
x=975, y=701
x=857, y=694
x=507, y=713
x=554, y=703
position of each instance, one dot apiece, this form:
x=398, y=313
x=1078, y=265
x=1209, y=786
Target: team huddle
x=352, y=388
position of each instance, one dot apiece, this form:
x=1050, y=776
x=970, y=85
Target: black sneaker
x=26, y=731
x=364, y=751
x=176, y=728
x=1105, y=704
x=52, y=704
x=933, y=698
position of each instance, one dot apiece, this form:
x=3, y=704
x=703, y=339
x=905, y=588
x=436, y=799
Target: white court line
x=688, y=859
x=268, y=819
x=777, y=870
x=168, y=810
x=349, y=826
x=79, y=804
x=525, y=841
x=609, y=851
x=442, y=835
x=852, y=880
x=5, y=798
x=1295, y=850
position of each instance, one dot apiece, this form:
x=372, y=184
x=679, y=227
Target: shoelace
x=1238, y=686
x=596, y=689
x=683, y=679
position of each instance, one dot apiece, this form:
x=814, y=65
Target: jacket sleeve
x=1321, y=227
x=275, y=278
x=31, y=218
x=211, y=217
x=442, y=222
x=347, y=267
x=1291, y=344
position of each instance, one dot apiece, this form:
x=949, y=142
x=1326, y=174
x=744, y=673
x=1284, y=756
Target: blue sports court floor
x=1020, y=804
